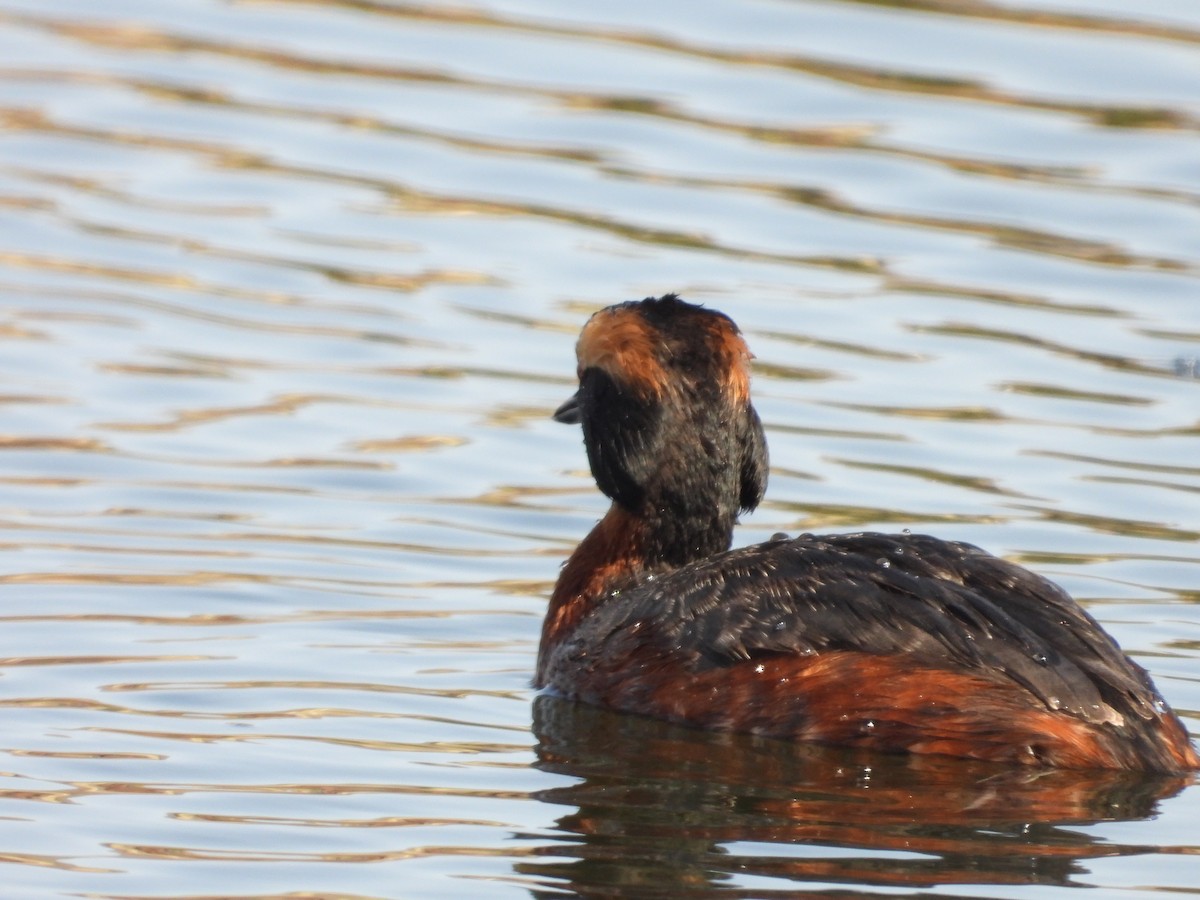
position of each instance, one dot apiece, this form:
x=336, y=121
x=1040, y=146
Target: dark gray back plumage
x=941, y=604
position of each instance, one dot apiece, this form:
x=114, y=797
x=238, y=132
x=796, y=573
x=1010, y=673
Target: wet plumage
x=898, y=642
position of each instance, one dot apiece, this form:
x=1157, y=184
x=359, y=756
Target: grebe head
x=664, y=400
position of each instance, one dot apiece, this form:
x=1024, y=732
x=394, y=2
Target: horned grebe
x=898, y=642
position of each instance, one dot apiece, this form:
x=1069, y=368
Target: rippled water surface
x=288, y=291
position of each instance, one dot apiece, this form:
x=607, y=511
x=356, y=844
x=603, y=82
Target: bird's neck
x=620, y=550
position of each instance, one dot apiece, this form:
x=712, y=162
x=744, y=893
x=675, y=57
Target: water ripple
x=290, y=293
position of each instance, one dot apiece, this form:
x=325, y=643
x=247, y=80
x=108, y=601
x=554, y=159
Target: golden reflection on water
x=52, y=862
x=941, y=413
x=84, y=445
x=414, y=200
x=1003, y=235
x=974, y=483
x=381, y=822
x=1107, y=360
x=858, y=76
x=810, y=517
x=184, y=853
x=1065, y=393
x=51, y=754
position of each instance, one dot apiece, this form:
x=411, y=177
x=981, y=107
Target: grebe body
x=897, y=642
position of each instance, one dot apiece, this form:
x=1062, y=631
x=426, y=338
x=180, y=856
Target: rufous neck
x=619, y=550
x=612, y=555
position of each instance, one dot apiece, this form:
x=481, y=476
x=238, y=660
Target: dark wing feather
x=939, y=603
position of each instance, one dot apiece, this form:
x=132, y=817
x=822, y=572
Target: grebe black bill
x=897, y=642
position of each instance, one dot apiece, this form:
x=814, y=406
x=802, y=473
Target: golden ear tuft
x=730, y=348
x=621, y=343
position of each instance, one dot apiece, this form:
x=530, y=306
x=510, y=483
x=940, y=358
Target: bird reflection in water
x=660, y=810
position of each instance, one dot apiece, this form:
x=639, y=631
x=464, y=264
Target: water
x=288, y=292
